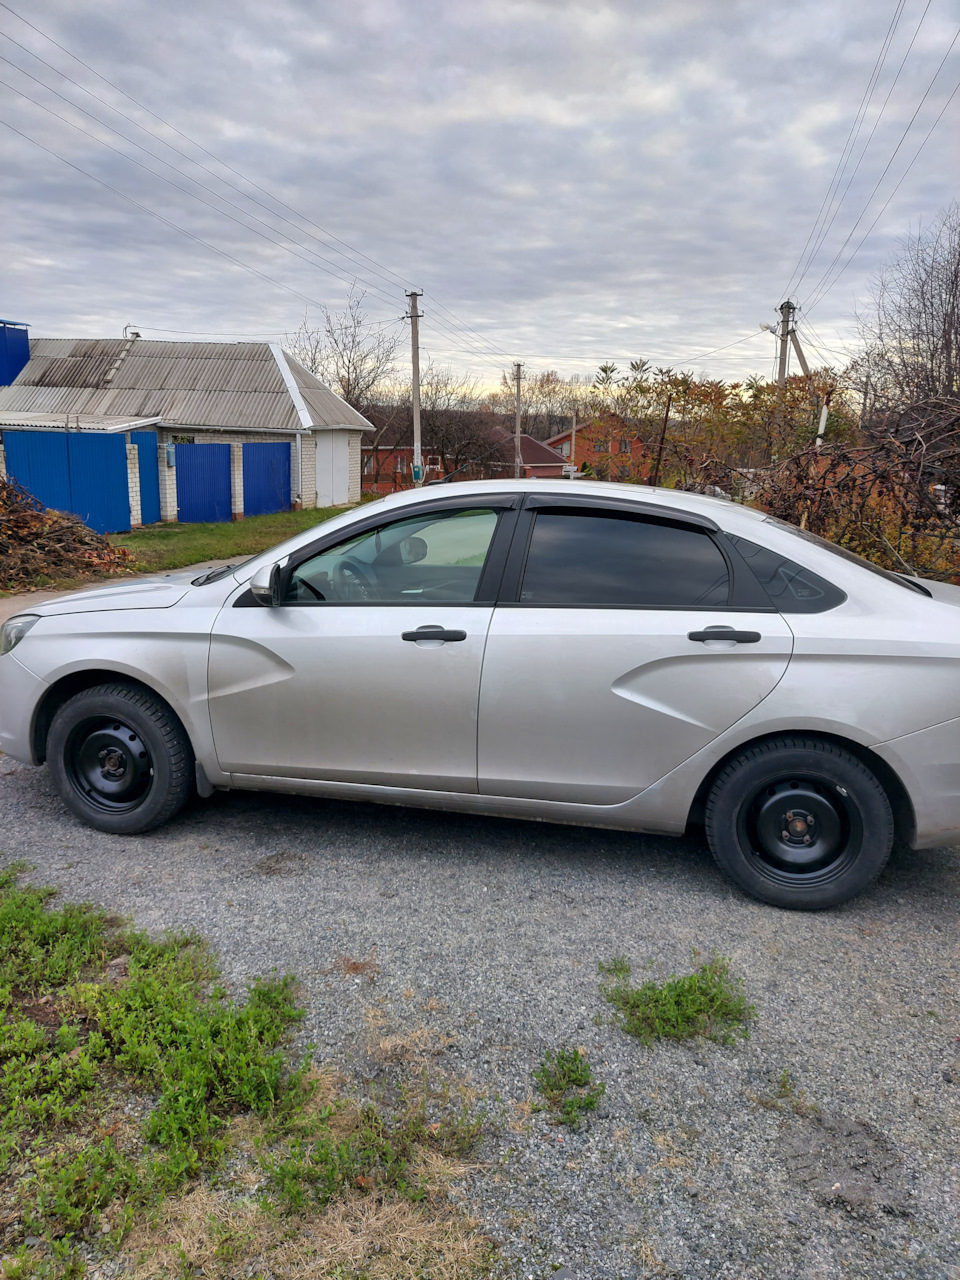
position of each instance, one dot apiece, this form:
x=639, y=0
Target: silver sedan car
x=603, y=655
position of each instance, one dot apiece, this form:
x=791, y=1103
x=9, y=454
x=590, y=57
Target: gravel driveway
x=489, y=932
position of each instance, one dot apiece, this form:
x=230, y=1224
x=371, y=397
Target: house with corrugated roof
x=127, y=431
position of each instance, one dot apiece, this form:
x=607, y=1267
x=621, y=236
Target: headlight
x=14, y=629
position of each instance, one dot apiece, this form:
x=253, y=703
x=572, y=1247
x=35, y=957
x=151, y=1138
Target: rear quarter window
x=789, y=586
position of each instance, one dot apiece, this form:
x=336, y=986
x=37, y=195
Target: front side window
x=586, y=558
x=431, y=558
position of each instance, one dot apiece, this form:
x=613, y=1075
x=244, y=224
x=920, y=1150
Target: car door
x=624, y=642
x=369, y=669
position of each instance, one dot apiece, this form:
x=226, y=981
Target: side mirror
x=266, y=586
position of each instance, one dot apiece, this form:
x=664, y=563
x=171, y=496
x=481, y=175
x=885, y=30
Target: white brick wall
x=133, y=485
x=355, y=466
x=168, y=480
x=3, y=464
x=236, y=480
x=308, y=454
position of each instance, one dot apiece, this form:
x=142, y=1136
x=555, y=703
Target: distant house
x=608, y=447
x=125, y=431
x=388, y=468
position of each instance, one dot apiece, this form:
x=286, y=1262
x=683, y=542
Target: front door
x=622, y=653
x=369, y=671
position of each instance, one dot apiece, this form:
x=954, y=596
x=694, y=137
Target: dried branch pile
x=37, y=544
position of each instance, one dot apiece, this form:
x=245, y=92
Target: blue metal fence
x=203, y=483
x=266, y=478
x=149, y=462
x=78, y=471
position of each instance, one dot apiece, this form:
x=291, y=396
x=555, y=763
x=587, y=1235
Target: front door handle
x=429, y=632
x=725, y=633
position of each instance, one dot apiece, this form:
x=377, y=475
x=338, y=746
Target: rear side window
x=586, y=558
x=790, y=587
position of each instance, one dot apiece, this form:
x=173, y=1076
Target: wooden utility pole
x=413, y=316
x=517, y=458
x=663, y=436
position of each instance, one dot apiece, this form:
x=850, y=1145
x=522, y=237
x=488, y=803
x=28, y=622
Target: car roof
x=677, y=499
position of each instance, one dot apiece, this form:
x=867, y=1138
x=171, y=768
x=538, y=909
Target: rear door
x=623, y=643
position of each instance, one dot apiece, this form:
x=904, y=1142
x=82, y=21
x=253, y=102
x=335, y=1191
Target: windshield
x=844, y=554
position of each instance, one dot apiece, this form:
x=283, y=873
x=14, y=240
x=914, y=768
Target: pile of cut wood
x=37, y=545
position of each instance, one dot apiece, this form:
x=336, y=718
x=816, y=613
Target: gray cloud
x=574, y=180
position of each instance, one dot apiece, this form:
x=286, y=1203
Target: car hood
x=158, y=592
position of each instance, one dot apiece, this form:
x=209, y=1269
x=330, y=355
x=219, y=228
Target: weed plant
x=85, y=1044
x=566, y=1080
x=708, y=1002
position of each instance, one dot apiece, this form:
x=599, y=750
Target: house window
x=565, y=449
x=368, y=464
x=402, y=464
x=602, y=446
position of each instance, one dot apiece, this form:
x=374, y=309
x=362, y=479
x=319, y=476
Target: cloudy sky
x=568, y=181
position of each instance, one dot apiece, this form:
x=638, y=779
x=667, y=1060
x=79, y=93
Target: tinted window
x=590, y=559
x=427, y=558
x=852, y=556
x=790, y=587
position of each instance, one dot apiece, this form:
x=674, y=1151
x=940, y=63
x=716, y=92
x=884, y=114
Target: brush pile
x=39, y=546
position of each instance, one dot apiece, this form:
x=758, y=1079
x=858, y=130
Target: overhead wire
x=822, y=287
x=866, y=146
x=476, y=342
x=851, y=139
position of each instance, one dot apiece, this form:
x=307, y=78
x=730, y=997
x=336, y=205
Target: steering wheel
x=352, y=580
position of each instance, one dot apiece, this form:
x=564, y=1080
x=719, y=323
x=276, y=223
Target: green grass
x=708, y=1002
x=173, y=546
x=566, y=1080
x=96, y=1015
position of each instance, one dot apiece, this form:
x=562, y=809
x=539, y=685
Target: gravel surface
x=489, y=932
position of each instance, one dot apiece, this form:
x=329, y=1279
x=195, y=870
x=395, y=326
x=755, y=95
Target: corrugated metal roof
x=73, y=422
x=190, y=384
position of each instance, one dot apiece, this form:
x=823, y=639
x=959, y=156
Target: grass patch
x=566, y=1080
x=133, y=1089
x=708, y=1002
x=174, y=545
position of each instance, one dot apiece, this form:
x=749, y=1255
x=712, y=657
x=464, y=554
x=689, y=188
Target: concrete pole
x=786, y=328
x=517, y=459
x=414, y=315
x=573, y=437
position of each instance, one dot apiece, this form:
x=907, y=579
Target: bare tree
x=911, y=330
x=349, y=353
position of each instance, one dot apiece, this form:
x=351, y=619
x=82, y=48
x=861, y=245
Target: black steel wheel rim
x=800, y=829
x=108, y=764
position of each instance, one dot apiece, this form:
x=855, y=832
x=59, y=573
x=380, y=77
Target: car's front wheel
x=799, y=822
x=120, y=758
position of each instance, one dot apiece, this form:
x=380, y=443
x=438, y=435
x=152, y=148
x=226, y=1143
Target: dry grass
x=412, y=1048
x=348, y=967
x=203, y=1232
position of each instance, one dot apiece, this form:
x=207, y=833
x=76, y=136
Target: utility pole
x=413, y=315
x=573, y=437
x=786, y=331
x=823, y=417
x=517, y=459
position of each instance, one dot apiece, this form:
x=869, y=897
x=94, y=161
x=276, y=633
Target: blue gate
x=203, y=483
x=78, y=471
x=266, y=478
x=149, y=464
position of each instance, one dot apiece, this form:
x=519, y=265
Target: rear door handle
x=725, y=633
x=432, y=633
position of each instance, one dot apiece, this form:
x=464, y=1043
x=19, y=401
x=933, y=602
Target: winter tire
x=800, y=823
x=120, y=758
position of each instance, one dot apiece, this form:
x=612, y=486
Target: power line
x=850, y=142
x=866, y=146
x=886, y=202
x=302, y=217
x=245, y=266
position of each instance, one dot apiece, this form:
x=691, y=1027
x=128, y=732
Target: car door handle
x=432, y=633
x=725, y=633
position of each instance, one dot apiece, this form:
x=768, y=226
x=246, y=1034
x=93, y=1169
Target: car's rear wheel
x=799, y=822
x=120, y=758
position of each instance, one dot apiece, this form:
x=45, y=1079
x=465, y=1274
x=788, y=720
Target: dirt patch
x=845, y=1162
